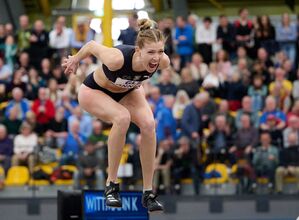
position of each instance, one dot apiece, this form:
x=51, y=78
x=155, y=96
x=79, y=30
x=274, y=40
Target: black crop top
x=126, y=77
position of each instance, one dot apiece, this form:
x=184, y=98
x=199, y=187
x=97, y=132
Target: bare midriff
x=101, y=80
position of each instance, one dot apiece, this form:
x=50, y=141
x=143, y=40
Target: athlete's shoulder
x=165, y=61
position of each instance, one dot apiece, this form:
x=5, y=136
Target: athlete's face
x=151, y=55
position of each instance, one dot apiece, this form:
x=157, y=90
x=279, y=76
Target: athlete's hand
x=70, y=65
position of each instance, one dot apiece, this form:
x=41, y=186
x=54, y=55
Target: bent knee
x=148, y=126
x=122, y=119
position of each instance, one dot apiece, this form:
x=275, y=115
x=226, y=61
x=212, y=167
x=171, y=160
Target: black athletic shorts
x=91, y=83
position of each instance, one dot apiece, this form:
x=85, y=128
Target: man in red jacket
x=44, y=110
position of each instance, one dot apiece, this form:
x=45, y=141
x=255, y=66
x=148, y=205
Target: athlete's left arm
x=164, y=62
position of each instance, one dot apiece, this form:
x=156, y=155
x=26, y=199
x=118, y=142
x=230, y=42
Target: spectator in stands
x=213, y=80
x=191, y=122
x=264, y=34
x=34, y=83
x=99, y=140
x=65, y=83
x=289, y=162
x=72, y=85
x=5, y=72
x=17, y=81
x=31, y=119
x=295, y=91
x=208, y=109
x=219, y=140
x=45, y=69
x=24, y=146
x=295, y=110
x=281, y=89
x=18, y=102
x=293, y=127
x=286, y=35
x=264, y=59
x=205, y=37
x=188, y=83
x=57, y=132
x=181, y=101
x=168, y=29
x=156, y=99
x=59, y=38
x=10, y=51
x=23, y=61
x=88, y=169
x=39, y=40
x=128, y=36
x=223, y=64
x=245, y=141
x=23, y=33
x=290, y=70
x=44, y=110
x=67, y=103
x=223, y=109
x=183, y=41
x=84, y=119
x=243, y=69
x=198, y=68
x=9, y=30
x=54, y=92
x=242, y=54
x=81, y=34
x=2, y=39
x=166, y=124
x=73, y=145
x=185, y=165
x=163, y=164
x=165, y=84
x=6, y=148
x=247, y=109
x=226, y=35
x=258, y=92
x=266, y=158
x=244, y=28
x=12, y=122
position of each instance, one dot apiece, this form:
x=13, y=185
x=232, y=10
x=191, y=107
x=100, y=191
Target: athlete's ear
x=137, y=49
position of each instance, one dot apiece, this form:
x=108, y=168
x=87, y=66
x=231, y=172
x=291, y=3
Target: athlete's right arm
x=111, y=57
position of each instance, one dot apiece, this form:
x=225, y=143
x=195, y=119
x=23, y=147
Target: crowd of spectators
x=231, y=95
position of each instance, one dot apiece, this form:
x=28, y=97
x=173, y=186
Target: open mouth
x=153, y=65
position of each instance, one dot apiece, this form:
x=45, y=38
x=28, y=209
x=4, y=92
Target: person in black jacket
x=289, y=159
x=226, y=35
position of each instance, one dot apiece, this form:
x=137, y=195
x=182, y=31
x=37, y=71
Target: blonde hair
x=148, y=32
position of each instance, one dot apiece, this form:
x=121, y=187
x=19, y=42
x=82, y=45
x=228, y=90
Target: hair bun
x=145, y=24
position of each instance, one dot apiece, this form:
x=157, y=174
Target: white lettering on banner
x=128, y=84
x=97, y=204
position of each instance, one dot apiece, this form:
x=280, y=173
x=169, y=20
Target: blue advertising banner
x=94, y=207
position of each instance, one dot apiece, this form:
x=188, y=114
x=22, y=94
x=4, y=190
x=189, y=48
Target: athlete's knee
x=148, y=126
x=122, y=119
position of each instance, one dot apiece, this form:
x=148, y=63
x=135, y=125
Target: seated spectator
x=99, y=140
x=45, y=70
x=5, y=72
x=12, y=123
x=166, y=124
x=191, y=122
x=57, y=132
x=181, y=101
x=155, y=98
x=188, y=83
x=17, y=81
x=233, y=91
x=72, y=86
x=243, y=69
x=34, y=83
x=62, y=80
x=163, y=164
x=294, y=111
x=24, y=146
x=88, y=169
x=165, y=84
x=84, y=119
x=223, y=109
x=219, y=140
x=209, y=108
x=44, y=110
x=281, y=89
x=213, y=80
x=68, y=104
x=258, y=92
x=242, y=54
x=289, y=162
x=293, y=127
x=10, y=51
x=198, y=68
x=273, y=120
x=295, y=91
x=245, y=141
x=54, y=92
x=264, y=59
x=6, y=148
x=266, y=158
x=223, y=64
x=23, y=62
x=18, y=102
x=73, y=145
x=185, y=165
x=247, y=109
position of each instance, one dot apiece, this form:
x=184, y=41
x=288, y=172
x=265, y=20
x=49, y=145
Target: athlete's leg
x=142, y=116
x=105, y=108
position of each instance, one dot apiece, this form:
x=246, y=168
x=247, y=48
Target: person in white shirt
x=24, y=144
x=205, y=36
x=60, y=37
